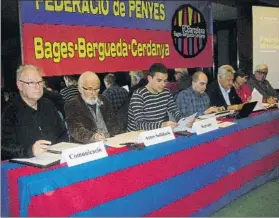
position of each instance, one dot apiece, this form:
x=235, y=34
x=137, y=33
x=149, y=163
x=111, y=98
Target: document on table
x=256, y=96
x=225, y=124
x=183, y=122
x=42, y=161
x=59, y=147
x=119, y=141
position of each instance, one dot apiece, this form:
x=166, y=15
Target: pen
x=127, y=143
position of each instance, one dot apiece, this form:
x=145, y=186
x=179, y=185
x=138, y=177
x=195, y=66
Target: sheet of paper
x=183, y=122
x=256, y=96
x=59, y=147
x=45, y=159
x=126, y=87
x=225, y=124
x=206, y=116
x=119, y=140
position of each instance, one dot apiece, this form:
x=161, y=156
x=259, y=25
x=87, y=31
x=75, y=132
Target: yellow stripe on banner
x=180, y=18
x=199, y=18
x=190, y=14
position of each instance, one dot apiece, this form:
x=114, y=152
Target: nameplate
x=156, y=136
x=206, y=125
x=84, y=154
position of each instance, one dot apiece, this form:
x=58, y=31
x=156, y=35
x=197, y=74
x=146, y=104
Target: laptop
x=246, y=110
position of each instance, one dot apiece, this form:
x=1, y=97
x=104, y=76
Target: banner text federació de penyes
x=140, y=9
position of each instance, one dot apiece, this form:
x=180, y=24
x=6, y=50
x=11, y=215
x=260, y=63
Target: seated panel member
x=115, y=94
x=89, y=116
x=149, y=106
x=30, y=123
x=258, y=81
x=241, y=88
x=195, y=99
x=222, y=92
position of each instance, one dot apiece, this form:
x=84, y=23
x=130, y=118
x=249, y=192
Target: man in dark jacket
x=30, y=123
x=222, y=92
x=258, y=81
x=90, y=118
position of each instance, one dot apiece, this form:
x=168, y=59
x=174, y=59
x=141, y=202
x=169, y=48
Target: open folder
x=49, y=158
x=42, y=161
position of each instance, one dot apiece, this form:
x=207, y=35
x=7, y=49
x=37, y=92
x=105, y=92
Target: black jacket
x=22, y=126
x=216, y=96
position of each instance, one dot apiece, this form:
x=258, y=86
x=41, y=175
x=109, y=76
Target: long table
x=189, y=176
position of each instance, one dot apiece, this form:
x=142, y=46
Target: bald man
x=195, y=99
x=89, y=116
x=29, y=122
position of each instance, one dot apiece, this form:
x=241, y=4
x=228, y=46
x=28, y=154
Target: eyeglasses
x=262, y=72
x=33, y=84
x=91, y=89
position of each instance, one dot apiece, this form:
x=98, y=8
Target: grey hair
x=110, y=79
x=22, y=68
x=224, y=70
x=136, y=76
x=183, y=71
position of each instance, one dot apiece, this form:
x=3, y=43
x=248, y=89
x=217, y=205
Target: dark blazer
x=81, y=123
x=216, y=96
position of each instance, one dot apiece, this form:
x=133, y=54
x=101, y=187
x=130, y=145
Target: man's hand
x=190, y=124
x=236, y=107
x=211, y=110
x=169, y=123
x=98, y=137
x=40, y=147
x=271, y=100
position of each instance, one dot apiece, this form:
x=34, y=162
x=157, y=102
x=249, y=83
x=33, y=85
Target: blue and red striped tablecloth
x=192, y=176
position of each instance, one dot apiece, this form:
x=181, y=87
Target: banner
x=70, y=37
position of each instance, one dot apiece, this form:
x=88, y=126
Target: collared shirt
x=189, y=102
x=225, y=94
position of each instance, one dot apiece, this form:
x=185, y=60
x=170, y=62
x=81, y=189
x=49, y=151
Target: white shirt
x=225, y=94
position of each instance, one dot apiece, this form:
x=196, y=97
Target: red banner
x=91, y=48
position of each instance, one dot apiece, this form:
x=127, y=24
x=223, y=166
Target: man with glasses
x=89, y=116
x=29, y=122
x=259, y=82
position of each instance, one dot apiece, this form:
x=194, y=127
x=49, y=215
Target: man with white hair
x=222, y=92
x=89, y=116
x=30, y=123
x=259, y=82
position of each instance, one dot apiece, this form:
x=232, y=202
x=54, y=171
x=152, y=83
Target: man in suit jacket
x=222, y=92
x=90, y=118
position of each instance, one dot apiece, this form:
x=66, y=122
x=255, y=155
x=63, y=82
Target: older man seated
x=222, y=92
x=195, y=99
x=29, y=122
x=258, y=81
x=90, y=117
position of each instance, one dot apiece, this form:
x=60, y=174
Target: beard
x=91, y=101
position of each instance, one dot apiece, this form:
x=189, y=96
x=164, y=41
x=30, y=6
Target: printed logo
x=188, y=31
